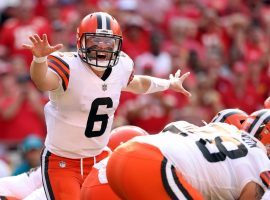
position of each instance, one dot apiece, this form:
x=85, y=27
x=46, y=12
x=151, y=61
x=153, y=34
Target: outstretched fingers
x=40, y=46
x=45, y=38
x=37, y=38
x=33, y=40
x=27, y=46
x=53, y=48
x=57, y=47
x=185, y=92
x=184, y=76
x=177, y=74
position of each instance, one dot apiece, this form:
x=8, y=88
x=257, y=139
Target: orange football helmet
x=122, y=134
x=99, y=40
x=258, y=125
x=232, y=116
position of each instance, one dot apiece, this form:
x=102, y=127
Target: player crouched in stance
x=189, y=162
x=96, y=185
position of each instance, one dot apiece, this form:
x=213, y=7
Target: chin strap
x=106, y=74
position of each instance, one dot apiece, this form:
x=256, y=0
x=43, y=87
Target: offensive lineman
x=216, y=161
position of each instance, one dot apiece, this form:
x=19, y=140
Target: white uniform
x=22, y=185
x=80, y=113
x=216, y=165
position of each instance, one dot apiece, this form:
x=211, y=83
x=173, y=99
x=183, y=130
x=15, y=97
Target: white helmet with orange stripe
x=99, y=40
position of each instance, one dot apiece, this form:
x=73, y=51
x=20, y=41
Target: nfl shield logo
x=62, y=164
x=104, y=87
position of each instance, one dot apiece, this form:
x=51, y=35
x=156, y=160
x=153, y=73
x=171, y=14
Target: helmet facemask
x=101, y=51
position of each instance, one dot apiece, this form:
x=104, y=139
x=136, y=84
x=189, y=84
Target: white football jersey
x=80, y=113
x=217, y=159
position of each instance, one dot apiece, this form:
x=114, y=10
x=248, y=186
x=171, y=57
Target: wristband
x=158, y=85
x=39, y=59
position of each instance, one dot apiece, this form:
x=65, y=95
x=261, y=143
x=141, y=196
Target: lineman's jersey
x=80, y=113
x=216, y=159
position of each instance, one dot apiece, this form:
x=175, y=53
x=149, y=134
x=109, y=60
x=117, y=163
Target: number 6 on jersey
x=94, y=117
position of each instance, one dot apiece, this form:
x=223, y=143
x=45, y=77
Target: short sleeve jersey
x=80, y=112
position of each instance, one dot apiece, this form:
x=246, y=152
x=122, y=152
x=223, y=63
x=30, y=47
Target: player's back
x=217, y=160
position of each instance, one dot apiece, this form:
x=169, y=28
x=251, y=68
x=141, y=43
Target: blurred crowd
x=225, y=44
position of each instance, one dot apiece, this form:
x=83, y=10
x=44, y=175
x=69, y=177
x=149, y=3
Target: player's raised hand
x=177, y=82
x=40, y=47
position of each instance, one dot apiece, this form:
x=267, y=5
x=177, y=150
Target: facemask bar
x=90, y=55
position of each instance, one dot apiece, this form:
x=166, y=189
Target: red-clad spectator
x=227, y=7
x=21, y=108
x=213, y=33
x=255, y=46
x=218, y=5
x=136, y=36
x=203, y=104
x=258, y=77
x=183, y=34
x=4, y=70
x=157, y=59
x=160, y=9
x=16, y=30
x=242, y=94
x=236, y=6
x=236, y=26
x=150, y=112
x=181, y=8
